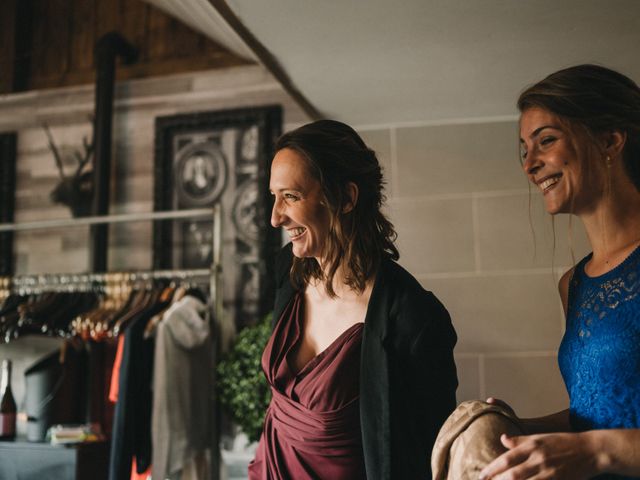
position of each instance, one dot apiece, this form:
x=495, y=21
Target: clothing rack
x=66, y=281
x=35, y=283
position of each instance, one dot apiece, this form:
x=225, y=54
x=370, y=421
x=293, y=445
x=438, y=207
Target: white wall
x=461, y=206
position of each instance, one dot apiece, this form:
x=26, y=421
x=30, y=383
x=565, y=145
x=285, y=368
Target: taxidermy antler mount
x=75, y=191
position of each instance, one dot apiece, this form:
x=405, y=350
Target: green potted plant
x=242, y=386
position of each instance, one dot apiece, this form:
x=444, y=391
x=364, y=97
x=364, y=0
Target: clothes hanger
x=173, y=296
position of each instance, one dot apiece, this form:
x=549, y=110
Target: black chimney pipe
x=108, y=47
x=7, y=199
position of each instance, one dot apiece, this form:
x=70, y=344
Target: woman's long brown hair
x=359, y=239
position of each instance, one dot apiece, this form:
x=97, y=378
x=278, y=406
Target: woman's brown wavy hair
x=359, y=239
x=598, y=100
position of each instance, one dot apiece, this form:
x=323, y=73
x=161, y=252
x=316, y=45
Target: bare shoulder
x=563, y=288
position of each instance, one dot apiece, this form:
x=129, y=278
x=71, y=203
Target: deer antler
x=54, y=149
x=88, y=153
x=88, y=148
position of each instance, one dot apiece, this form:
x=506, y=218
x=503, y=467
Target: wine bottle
x=8, y=408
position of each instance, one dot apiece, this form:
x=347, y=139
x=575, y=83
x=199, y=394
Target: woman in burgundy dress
x=360, y=362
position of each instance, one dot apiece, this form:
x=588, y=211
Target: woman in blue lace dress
x=580, y=144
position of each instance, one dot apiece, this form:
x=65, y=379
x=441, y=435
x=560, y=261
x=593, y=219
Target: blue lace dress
x=599, y=355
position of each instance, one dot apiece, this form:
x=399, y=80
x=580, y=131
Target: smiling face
x=561, y=162
x=298, y=205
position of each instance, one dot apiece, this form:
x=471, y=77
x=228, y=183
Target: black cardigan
x=407, y=373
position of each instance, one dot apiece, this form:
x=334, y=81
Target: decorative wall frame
x=7, y=199
x=224, y=157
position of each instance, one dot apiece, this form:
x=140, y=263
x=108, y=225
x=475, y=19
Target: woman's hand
x=570, y=456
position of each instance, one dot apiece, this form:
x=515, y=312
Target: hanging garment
x=182, y=390
x=197, y=468
x=115, y=373
x=131, y=435
x=113, y=397
x=470, y=439
x=312, y=426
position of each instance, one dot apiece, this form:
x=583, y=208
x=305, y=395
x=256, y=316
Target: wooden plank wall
x=58, y=38
x=7, y=45
x=137, y=104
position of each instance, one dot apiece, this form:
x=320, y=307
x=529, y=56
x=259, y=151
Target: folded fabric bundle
x=470, y=439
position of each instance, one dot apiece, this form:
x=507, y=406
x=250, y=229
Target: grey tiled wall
x=471, y=231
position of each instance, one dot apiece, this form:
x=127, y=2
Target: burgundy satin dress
x=312, y=426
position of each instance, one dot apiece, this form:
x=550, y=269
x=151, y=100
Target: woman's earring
x=608, y=161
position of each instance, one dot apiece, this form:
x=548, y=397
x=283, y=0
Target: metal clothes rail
x=60, y=281
x=69, y=281
x=103, y=219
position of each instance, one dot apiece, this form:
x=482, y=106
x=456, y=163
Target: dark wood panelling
x=7, y=45
x=58, y=39
x=38, y=52
x=64, y=32
x=133, y=24
x=159, y=35
x=51, y=33
x=107, y=16
x=184, y=40
x=23, y=24
x=83, y=20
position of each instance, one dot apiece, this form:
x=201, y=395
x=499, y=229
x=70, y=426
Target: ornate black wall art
x=222, y=157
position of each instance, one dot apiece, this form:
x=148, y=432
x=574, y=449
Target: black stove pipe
x=108, y=47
